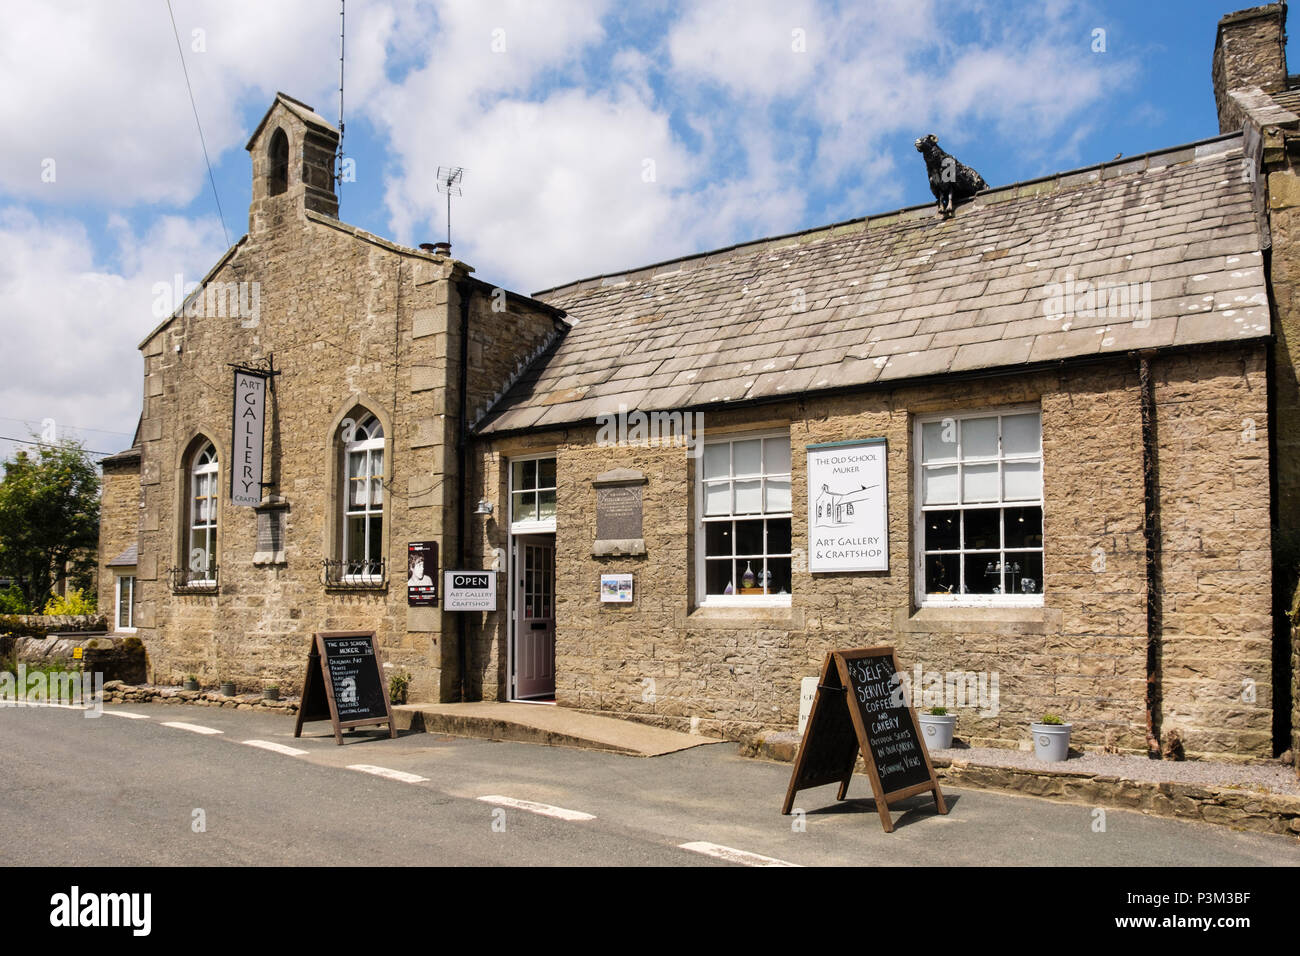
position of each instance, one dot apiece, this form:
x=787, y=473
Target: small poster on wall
x=848, y=506
x=421, y=573
x=616, y=588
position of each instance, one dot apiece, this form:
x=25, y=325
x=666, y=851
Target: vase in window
x=728, y=589
x=747, y=579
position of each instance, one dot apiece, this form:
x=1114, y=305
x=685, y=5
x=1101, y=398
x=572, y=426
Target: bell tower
x=293, y=150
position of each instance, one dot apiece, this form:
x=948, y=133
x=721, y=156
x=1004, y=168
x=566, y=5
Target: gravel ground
x=1274, y=776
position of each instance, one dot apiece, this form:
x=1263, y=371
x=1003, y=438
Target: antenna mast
x=449, y=182
x=338, y=176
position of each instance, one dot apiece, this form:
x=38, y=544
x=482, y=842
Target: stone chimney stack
x=293, y=151
x=1249, y=53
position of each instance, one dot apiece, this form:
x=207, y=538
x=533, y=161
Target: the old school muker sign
x=848, y=506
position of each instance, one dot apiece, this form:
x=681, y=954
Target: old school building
x=1048, y=444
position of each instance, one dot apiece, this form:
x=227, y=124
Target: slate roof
x=905, y=294
x=127, y=558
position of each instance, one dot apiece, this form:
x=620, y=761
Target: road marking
x=545, y=809
x=401, y=775
x=128, y=714
x=273, y=746
x=732, y=855
x=198, y=729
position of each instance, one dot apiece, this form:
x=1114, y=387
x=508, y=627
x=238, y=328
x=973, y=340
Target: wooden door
x=534, y=658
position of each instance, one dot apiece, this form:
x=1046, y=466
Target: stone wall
x=733, y=671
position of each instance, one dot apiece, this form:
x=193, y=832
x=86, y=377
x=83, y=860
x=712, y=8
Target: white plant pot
x=1051, y=742
x=936, y=730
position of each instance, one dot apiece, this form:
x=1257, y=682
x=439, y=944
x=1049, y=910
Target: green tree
x=49, y=518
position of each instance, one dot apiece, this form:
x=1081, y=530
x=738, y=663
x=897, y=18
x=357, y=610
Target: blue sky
x=596, y=137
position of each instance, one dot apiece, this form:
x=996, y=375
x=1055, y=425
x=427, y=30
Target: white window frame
x=117, y=605
x=702, y=598
x=539, y=525
x=365, y=447
x=209, y=473
x=919, y=509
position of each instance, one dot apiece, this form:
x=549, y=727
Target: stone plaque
x=618, y=512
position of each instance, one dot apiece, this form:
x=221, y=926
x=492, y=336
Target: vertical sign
x=422, y=573
x=246, y=439
x=848, y=506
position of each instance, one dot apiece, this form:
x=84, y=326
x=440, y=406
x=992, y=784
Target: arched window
x=278, y=153
x=363, y=499
x=201, y=535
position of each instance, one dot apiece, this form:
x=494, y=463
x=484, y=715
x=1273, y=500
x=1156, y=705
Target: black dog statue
x=950, y=181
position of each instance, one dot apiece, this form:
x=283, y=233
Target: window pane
x=778, y=575
x=1025, y=574
x=778, y=536
x=546, y=504
x=747, y=457
x=375, y=546
x=199, y=557
x=1022, y=480
x=1020, y=434
x=980, y=483
x=718, y=578
x=546, y=473
x=377, y=478
x=528, y=475
x=778, y=495
x=979, y=438
x=717, y=498
x=983, y=574
x=717, y=538
x=749, y=537
x=776, y=456
x=525, y=506
x=356, y=542
x=749, y=497
x=1024, y=527
x=939, y=440
x=941, y=574
x=717, y=460
x=939, y=485
x=942, y=530
x=983, y=528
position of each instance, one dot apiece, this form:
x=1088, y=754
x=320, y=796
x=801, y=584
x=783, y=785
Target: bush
x=73, y=604
x=13, y=602
x=19, y=628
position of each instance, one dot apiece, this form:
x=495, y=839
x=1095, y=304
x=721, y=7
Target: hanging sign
x=246, y=439
x=861, y=708
x=422, y=573
x=848, y=506
x=345, y=683
x=469, y=591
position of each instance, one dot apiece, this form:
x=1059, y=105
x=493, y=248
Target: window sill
x=723, y=616
x=1021, y=619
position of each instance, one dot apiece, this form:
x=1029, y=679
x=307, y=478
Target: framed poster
x=421, y=573
x=616, y=588
x=848, y=506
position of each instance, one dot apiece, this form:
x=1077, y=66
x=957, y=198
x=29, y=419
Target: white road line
x=273, y=746
x=128, y=714
x=198, y=729
x=401, y=775
x=732, y=855
x=544, y=809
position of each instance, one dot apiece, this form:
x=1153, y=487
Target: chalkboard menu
x=345, y=683
x=860, y=707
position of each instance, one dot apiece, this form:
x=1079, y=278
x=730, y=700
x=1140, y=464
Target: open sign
x=470, y=590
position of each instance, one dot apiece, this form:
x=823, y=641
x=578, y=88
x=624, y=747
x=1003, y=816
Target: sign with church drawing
x=848, y=506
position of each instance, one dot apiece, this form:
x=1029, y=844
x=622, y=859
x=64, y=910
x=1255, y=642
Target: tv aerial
x=449, y=182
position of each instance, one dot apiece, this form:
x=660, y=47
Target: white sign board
x=469, y=590
x=848, y=506
x=807, y=691
x=616, y=588
x=246, y=439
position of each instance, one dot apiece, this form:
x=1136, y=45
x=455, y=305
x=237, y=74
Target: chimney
x=1249, y=52
x=437, y=248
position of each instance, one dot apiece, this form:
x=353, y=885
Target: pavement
x=178, y=784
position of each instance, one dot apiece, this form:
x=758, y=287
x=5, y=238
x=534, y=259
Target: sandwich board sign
x=860, y=707
x=345, y=683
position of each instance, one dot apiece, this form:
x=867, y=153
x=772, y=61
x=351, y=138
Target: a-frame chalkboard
x=345, y=683
x=860, y=708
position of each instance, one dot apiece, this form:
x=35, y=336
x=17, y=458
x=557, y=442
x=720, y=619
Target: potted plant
x=271, y=692
x=936, y=727
x=191, y=682
x=227, y=688
x=1051, y=739
x=398, y=685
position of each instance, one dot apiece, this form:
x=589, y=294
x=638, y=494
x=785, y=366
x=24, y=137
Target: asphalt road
x=121, y=791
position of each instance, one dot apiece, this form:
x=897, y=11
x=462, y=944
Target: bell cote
x=293, y=151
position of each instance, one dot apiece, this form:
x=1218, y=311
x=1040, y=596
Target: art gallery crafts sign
x=848, y=506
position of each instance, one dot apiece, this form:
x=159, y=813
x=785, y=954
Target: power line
x=184, y=69
x=75, y=428
x=45, y=444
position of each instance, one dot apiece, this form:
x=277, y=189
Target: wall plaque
x=619, y=510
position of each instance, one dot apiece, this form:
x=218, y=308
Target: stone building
x=1080, y=391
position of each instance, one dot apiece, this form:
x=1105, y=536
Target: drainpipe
x=462, y=460
x=1151, y=532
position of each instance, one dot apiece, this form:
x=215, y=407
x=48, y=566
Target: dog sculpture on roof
x=950, y=181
